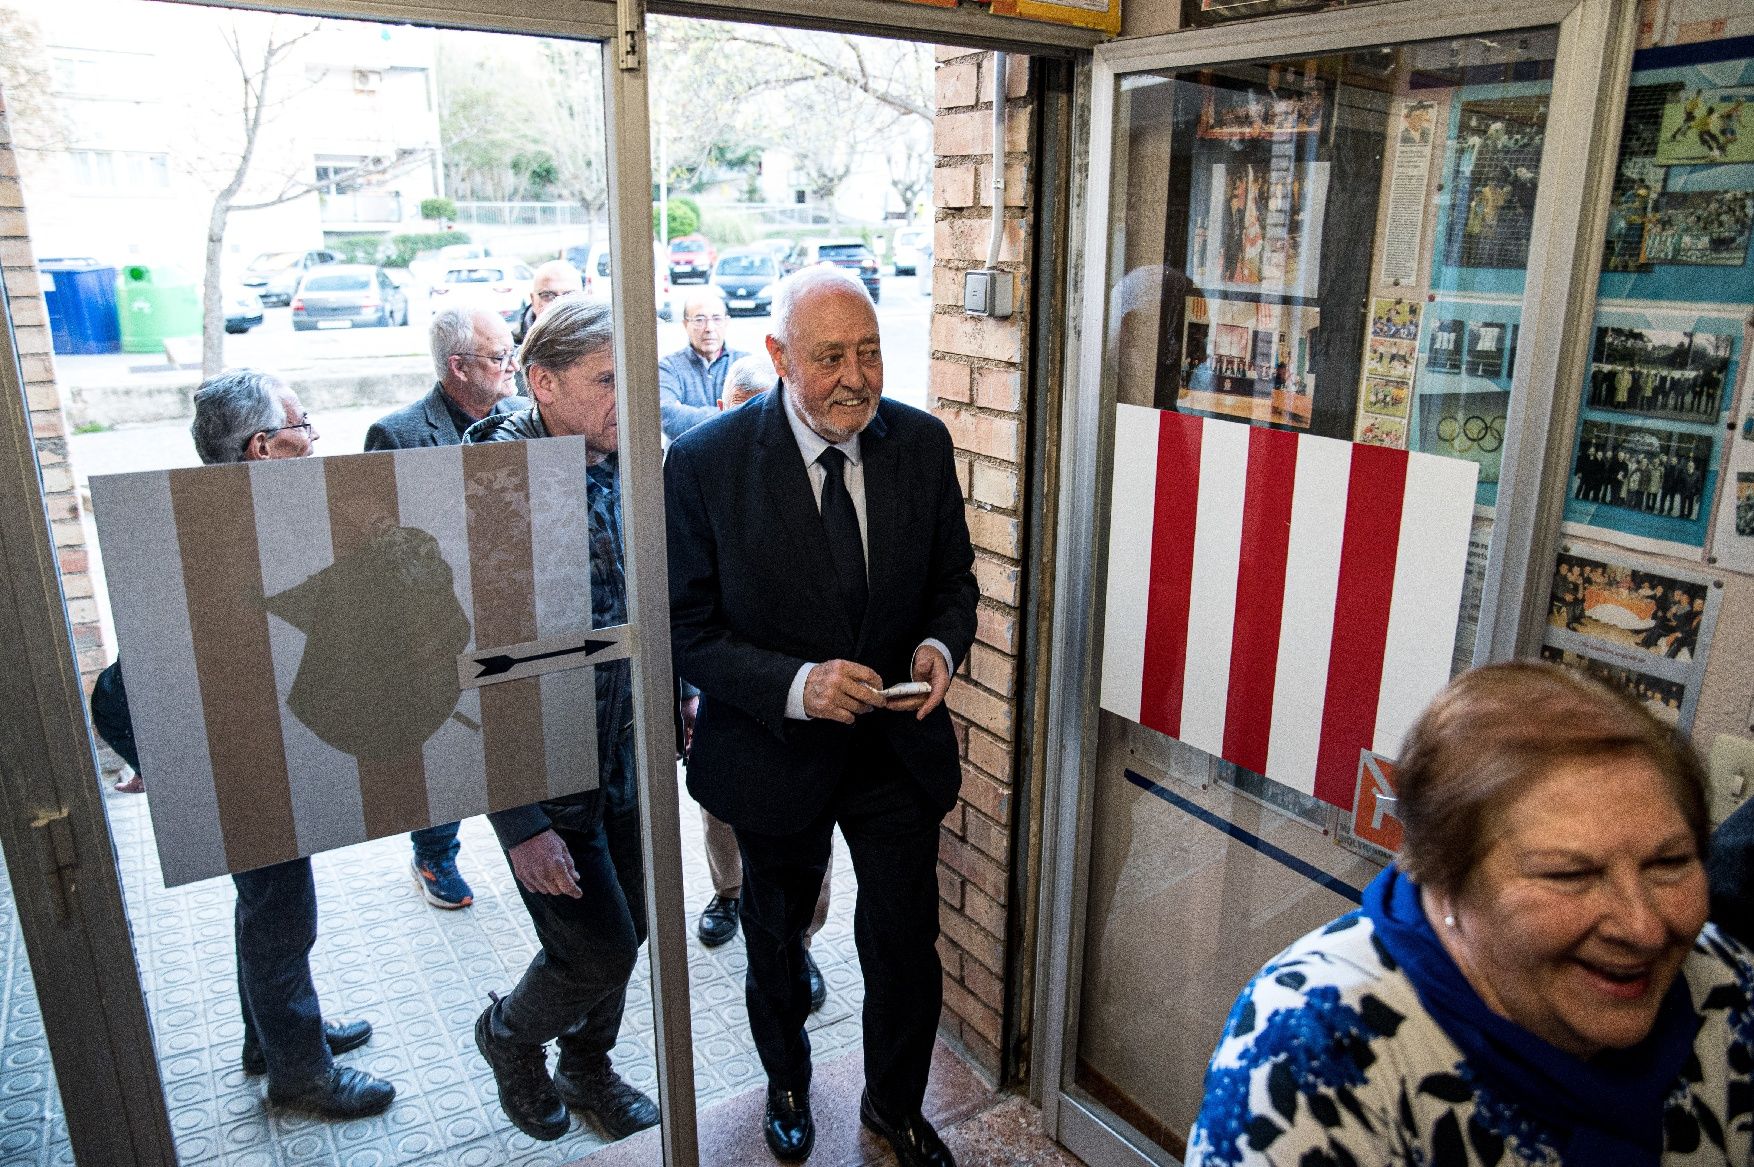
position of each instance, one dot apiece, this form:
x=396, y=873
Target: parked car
x=243, y=310
x=851, y=254
x=496, y=286
x=348, y=295
x=274, y=275
x=745, y=278
x=692, y=258
x=428, y=267
x=593, y=265
x=778, y=248
x=908, y=244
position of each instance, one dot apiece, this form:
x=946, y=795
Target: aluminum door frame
x=1596, y=39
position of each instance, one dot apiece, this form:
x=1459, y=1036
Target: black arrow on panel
x=494, y=666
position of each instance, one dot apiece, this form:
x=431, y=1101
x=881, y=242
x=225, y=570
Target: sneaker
x=607, y=1101
x=442, y=884
x=520, y=1072
x=342, y=1093
x=718, y=920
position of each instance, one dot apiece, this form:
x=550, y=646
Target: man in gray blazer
x=473, y=356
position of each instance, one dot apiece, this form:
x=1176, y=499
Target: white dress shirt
x=810, y=447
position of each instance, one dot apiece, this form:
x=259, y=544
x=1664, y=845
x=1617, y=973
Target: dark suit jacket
x=752, y=598
x=426, y=422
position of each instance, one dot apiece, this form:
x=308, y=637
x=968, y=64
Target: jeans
x=276, y=927
x=575, y=988
x=434, y=845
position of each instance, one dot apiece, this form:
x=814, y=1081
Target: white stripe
x=1437, y=514
x=429, y=494
x=1306, y=625
x=560, y=544
x=294, y=543
x=136, y=526
x=1224, y=450
x=1132, y=511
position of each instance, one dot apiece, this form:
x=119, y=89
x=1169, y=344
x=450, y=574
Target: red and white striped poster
x=299, y=641
x=1278, y=599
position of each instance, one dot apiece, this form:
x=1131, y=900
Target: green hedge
x=360, y=248
x=405, y=247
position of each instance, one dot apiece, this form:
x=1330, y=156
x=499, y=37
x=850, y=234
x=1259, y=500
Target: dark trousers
x=575, y=988
x=276, y=927
x=435, y=844
x=892, y=834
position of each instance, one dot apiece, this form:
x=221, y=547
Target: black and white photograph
x=1486, y=348
x=1618, y=605
x=1699, y=227
x=1644, y=468
x=1659, y=372
x=1663, y=698
x=1494, y=170
x=1745, y=503
x=1444, y=354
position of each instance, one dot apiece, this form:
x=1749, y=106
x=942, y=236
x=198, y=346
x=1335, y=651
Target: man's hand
x=840, y=690
x=543, y=865
x=929, y=667
x=688, y=709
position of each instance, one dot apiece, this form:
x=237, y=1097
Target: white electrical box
x=986, y=292
x=1731, y=774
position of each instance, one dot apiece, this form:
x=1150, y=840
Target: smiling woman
x=1530, y=983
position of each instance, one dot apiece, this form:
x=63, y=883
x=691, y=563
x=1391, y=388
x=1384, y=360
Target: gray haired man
x=473, y=357
x=246, y=416
x=577, y=858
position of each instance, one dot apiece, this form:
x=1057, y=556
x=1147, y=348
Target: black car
x=745, y=279
x=851, y=254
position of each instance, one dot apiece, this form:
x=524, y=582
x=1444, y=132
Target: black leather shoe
x=341, y=1036
x=915, y=1143
x=818, y=986
x=607, y=1101
x=718, y=920
x=526, y=1092
x=787, y=1126
x=341, y=1093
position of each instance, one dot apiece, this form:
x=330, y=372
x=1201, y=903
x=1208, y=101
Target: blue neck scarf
x=1607, y=1110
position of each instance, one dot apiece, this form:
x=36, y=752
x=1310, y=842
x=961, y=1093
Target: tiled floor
x=421, y=976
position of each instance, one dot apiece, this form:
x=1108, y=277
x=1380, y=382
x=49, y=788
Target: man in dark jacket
x=577, y=858
x=819, y=554
x=472, y=355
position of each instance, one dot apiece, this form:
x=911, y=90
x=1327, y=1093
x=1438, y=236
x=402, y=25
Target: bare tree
x=259, y=63
x=909, y=161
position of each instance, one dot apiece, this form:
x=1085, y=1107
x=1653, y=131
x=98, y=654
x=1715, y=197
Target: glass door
x=1313, y=407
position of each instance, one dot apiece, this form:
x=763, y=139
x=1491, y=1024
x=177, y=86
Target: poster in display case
x=1249, y=360
x=1494, y=168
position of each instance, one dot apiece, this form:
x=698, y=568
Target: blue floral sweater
x=1329, y=1060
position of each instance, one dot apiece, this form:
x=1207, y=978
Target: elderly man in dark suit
x=819, y=553
x=476, y=364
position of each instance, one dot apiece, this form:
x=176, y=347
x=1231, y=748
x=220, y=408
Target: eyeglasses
x=504, y=360
x=307, y=425
x=703, y=321
x=549, y=296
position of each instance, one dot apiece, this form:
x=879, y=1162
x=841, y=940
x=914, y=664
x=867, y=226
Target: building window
x=119, y=171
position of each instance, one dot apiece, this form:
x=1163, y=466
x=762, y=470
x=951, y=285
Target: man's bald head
x=552, y=280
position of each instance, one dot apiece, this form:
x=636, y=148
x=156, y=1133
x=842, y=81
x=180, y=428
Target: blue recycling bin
x=81, y=298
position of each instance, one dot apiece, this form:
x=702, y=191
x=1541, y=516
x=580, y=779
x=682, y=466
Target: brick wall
x=977, y=379
x=48, y=422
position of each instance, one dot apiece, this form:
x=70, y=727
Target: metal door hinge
x=630, y=34
x=60, y=858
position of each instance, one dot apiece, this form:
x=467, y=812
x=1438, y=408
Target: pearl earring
x=1449, y=921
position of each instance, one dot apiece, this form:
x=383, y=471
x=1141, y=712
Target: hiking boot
x=520, y=1072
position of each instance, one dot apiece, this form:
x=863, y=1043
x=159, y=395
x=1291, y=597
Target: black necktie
x=841, y=523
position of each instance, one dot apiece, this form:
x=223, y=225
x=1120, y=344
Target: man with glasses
x=473, y=356
x=247, y=416
x=552, y=280
x=691, y=378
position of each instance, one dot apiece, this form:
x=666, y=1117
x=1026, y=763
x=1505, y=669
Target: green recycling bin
x=157, y=302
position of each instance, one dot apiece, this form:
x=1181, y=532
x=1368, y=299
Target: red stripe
x=1361, y=617
x=1260, y=596
x=1172, y=572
